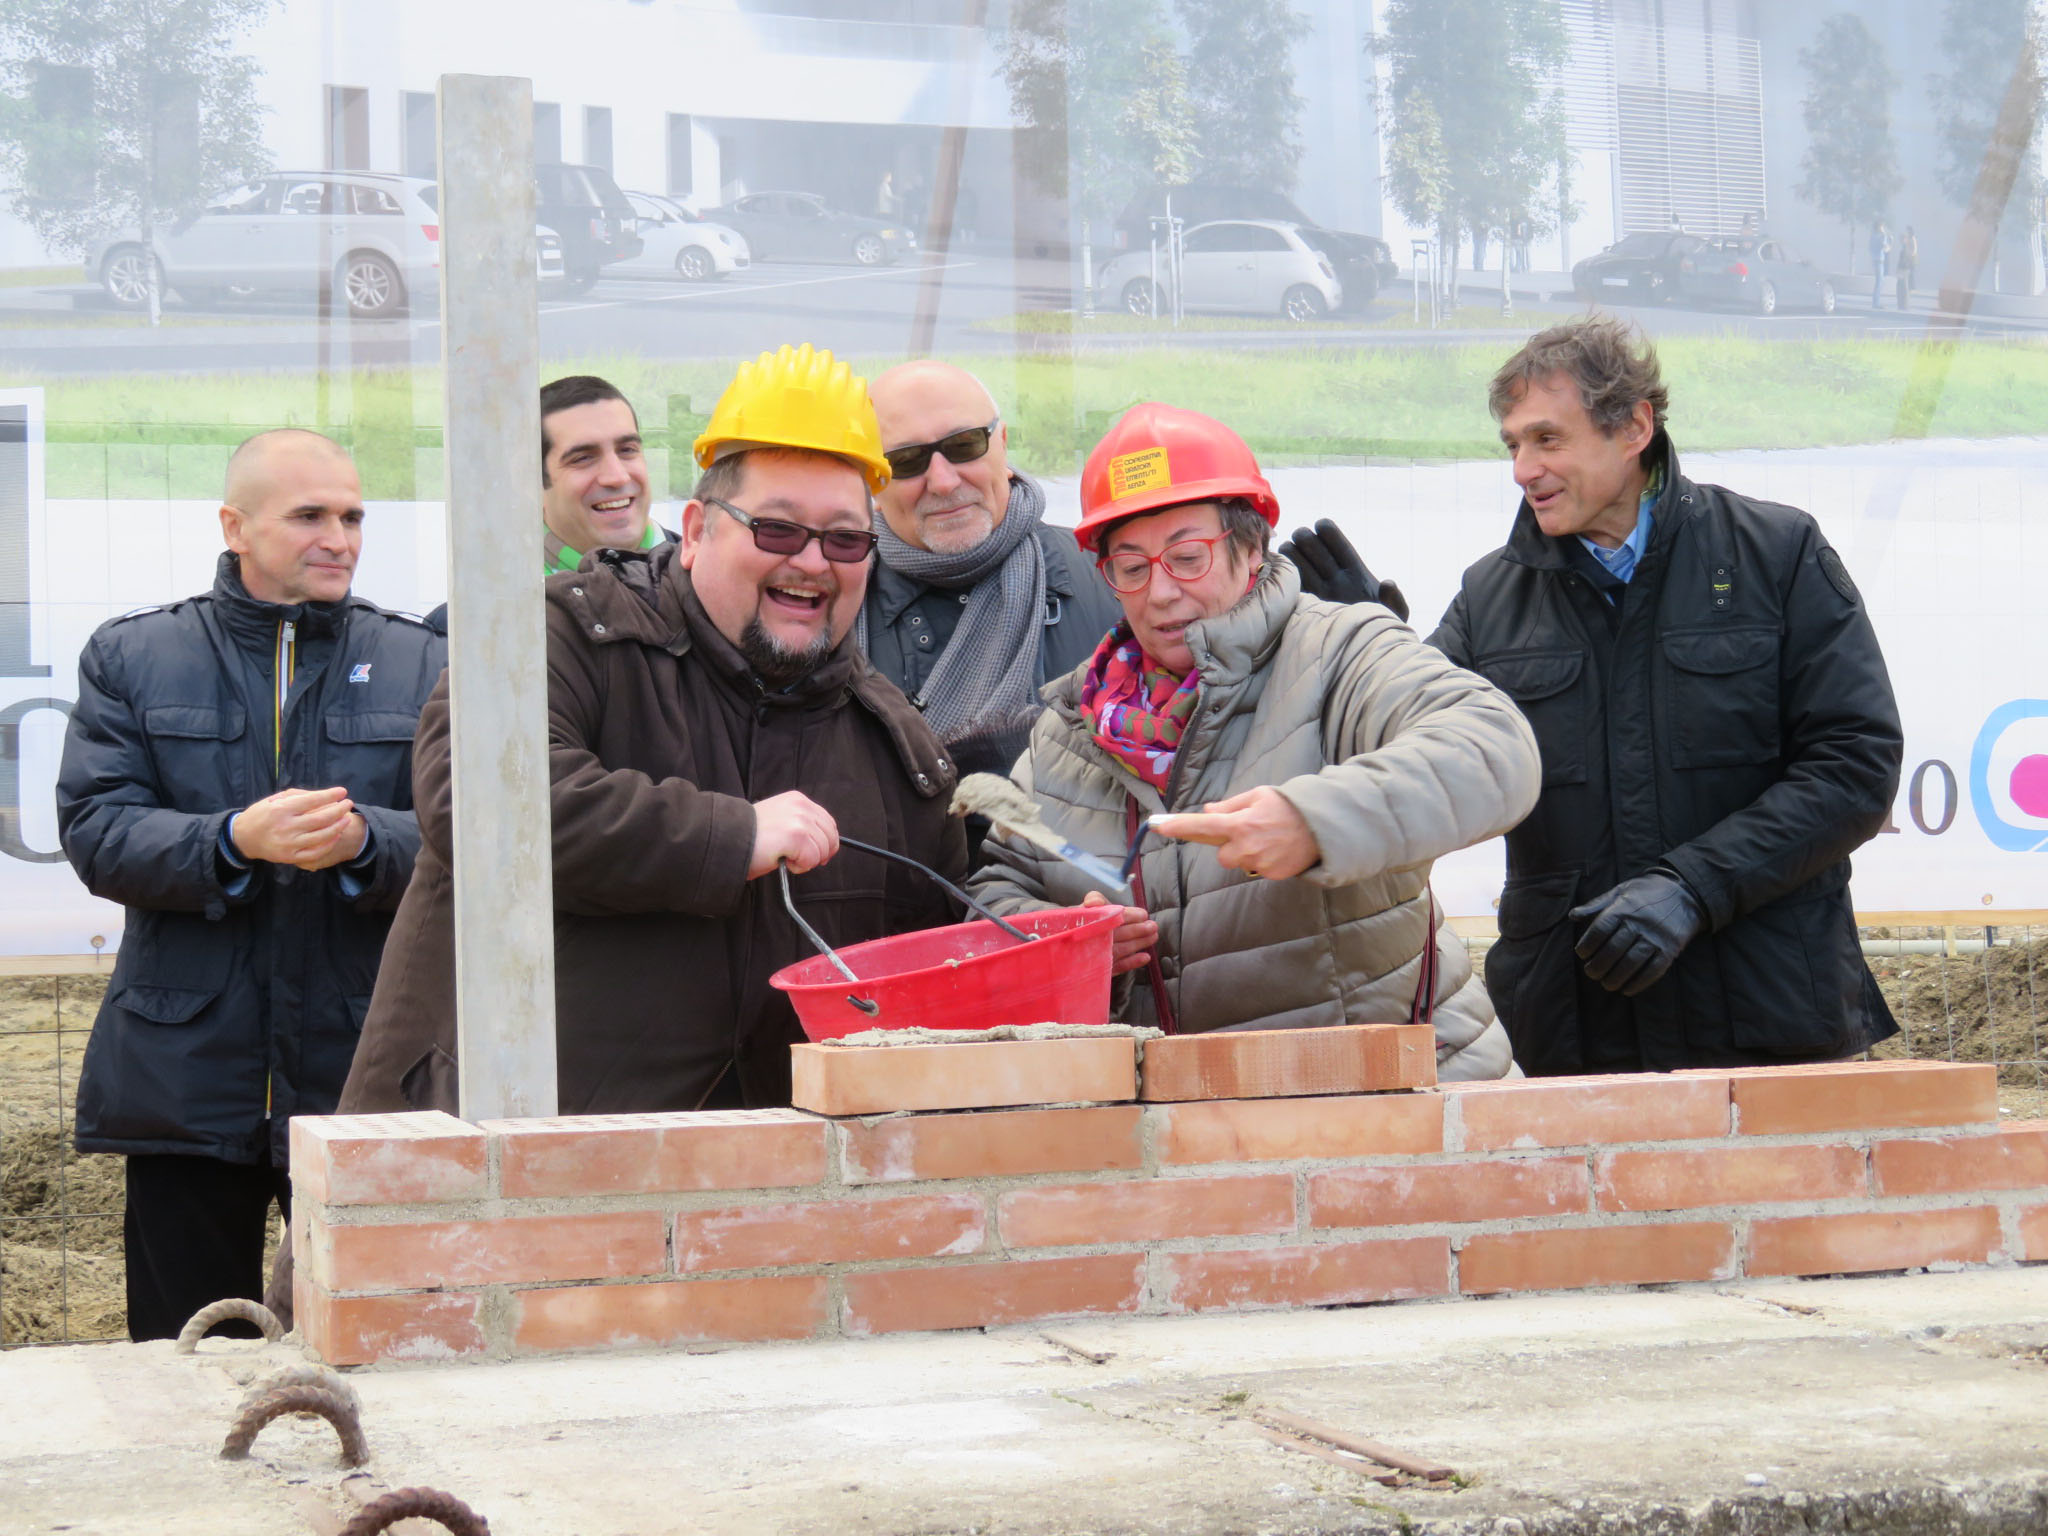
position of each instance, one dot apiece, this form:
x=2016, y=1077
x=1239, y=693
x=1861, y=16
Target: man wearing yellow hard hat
x=709, y=719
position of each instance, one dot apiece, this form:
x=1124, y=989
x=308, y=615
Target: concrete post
x=497, y=652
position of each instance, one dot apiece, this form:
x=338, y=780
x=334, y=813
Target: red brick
x=1848, y=1244
x=1324, y=1275
x=2013, y=1157
x=669, y=1312
x=421, y=1255
x=1272, y=1130
x=1856, y=1096
x=993, y=1144
x=401, y=1159
x=1145, y=1210
x=1585, y=1111
x=1412, y=1193
x=987, y=1295
x=1567, y=1258
x=361, y=1330
x=830, y=1232
x=980, y=1074
x=657, y=1153
x=1733, y=1175
x=2034, y=1232
x=1289, y=1063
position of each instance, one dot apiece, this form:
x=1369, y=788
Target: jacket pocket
x=1722, y=709
x=165, y=1005
x=1546, y=686
x=1793, y=976
x=370, y=752
x=1531, y=970
x=192, y=745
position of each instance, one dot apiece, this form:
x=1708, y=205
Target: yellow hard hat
x=797, y=398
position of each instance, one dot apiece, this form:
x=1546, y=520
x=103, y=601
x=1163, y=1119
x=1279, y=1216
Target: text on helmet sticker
x=1131, y=473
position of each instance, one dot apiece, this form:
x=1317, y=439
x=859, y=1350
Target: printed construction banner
x=1947, y=541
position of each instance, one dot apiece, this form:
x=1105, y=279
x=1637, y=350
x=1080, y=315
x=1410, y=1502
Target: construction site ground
x=1912, y=1403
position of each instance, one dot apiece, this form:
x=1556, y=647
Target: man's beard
x=964, y=535
x=775, y=663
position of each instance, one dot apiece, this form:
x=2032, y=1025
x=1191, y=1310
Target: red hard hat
x=1159, y=456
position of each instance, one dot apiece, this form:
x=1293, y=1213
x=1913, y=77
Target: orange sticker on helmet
x=1134, y=472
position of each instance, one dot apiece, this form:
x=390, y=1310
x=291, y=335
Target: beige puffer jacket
x=1391, y=754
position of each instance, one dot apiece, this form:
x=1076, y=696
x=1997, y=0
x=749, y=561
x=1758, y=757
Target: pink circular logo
x=2030, y=785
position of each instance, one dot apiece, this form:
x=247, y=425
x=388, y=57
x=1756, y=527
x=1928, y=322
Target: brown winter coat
x=659, y=740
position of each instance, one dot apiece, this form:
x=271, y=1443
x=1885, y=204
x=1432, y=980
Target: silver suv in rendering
x=369, y=239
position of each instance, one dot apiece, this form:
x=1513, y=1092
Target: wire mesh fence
x=1973, y=994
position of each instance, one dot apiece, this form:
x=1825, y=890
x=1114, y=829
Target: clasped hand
x=306, y=828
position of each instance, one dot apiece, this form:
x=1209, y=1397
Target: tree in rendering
x=1246, y=113
x=124, y=114
x=1987, y=108
x=1851, y=167
x=1473, y=113
x=1102, y=92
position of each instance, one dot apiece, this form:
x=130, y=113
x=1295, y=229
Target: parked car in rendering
x=798, y=226
x=1652, y=267
x=1244, y=266
x=1362, y=262
x=1760, y=273
x=674, y=242
x=585, y=207
x=368, y=238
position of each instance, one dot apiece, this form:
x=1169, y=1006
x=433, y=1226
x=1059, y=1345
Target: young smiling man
x=1718, y=734
x=710, y=719
x=238, y=774
x=1312, y=758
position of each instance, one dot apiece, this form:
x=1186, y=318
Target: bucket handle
x=942, y=882
x=866, y=1005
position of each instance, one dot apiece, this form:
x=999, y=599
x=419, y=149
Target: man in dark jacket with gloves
x=977, y=602
x=1717, y=729
x=238, y=774
x=710, y=720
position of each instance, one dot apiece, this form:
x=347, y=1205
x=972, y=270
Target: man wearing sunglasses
x=978, y=602
x=710, y=722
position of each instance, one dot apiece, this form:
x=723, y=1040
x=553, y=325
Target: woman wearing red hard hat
x=1300, y=762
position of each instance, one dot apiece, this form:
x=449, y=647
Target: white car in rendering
x=674, y=242
x=367, y=239
x=1242, y=266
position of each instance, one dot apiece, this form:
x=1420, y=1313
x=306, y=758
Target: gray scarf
x=986, y=677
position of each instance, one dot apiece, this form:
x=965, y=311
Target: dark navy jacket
x=1731, y=720
x=236, y=1000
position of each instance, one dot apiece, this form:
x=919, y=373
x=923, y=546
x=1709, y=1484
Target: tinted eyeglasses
x=773, y=536
x=956, y=448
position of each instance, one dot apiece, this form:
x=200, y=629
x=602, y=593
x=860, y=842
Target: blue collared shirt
x=1621, y=563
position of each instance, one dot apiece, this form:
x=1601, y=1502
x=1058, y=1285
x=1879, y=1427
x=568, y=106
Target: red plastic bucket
x=967, y=976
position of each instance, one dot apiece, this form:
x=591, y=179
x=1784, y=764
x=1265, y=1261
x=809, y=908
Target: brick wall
x=421, y=1237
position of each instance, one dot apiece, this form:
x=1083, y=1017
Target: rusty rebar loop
x=331, y=1406
x=305, y=1374
x=417, y=1504
x=228, y=1309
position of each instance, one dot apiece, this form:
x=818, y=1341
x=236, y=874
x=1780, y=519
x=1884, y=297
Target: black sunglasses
x=956, y=448
x=772, y=536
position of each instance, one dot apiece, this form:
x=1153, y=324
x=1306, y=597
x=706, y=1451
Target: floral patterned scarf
x=1139, y=709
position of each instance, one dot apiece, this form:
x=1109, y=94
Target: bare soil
x=1991, y=1006
x=60, y=1213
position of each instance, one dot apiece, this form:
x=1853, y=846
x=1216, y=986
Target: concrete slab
x=1908, y=1404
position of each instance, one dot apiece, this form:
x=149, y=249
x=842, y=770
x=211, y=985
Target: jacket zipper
x=285, y=664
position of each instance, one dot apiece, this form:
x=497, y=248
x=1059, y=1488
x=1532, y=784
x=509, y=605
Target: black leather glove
x=1637, y=930
x=1330, y=569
